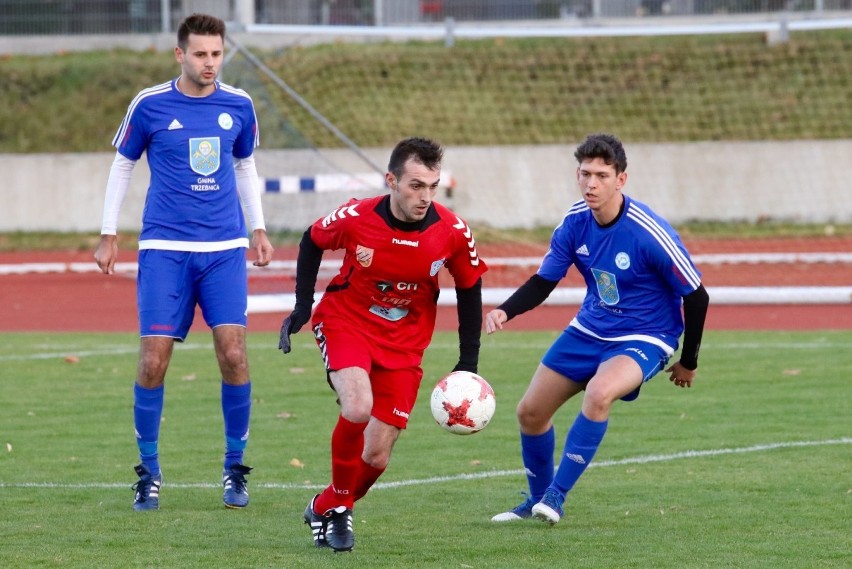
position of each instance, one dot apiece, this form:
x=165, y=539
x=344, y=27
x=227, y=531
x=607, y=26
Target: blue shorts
x=170, y=284
x=577, y=356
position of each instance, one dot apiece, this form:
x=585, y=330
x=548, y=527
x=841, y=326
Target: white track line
x=647, y=459
x=308, y=344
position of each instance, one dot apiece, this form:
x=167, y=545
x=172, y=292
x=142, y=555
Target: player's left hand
x=291, y=325
x=680, y=376
x=262, y=248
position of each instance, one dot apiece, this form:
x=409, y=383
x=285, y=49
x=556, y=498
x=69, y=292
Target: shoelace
x=238, y=482
x=143, y=487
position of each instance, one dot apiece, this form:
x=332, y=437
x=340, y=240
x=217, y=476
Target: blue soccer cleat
x=235, y=486
x=147, y=489
x=521, y=512
x=549, y=508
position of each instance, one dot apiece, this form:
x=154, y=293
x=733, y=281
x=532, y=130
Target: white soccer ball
x=463, y=403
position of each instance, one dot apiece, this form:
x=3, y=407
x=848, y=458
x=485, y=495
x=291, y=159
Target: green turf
x=777, y=494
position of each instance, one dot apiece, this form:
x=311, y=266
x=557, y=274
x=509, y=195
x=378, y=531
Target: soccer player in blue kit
x=199, y=136
x=643, y=291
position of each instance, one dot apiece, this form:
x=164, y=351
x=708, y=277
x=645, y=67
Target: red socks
x=347, y=445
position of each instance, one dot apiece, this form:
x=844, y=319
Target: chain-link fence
x=50, y=17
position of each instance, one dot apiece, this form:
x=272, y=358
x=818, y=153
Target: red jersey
x=388, y=287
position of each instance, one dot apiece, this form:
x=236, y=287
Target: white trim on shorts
x=628, y=338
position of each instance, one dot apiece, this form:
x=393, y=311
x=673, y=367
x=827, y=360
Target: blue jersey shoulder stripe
x=241, y=93
x=664, y=239
x=234, y=90
x=144, y=93
x=577, y=207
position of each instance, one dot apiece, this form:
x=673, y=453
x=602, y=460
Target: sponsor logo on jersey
x=175, y=125
x=607, y=286
x=205, y=185
x=436, y=266
x=384, y=286
x=204, y=155
x=364, y=255
x=582, y=250
x=622, y=261
x=405, y=242
x=225, y=121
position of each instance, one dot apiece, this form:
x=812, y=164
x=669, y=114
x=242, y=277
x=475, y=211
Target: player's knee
x=356, y=411
x=597, y=402
x=152, y=369
x=378, y=458
x=530, y=418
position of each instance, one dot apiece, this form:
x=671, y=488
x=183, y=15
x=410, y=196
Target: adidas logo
x=576, y=457
x=175, y=125
x=583, y=250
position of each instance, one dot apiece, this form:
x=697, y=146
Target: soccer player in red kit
x=377, y=317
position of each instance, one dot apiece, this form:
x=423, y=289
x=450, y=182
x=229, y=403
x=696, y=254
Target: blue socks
x=537, y=454
x=582, y=443
x=147, y=411
x=236, y=408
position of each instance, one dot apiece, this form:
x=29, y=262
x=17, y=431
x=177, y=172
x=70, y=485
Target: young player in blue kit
x=199, y=136
x=643, y=291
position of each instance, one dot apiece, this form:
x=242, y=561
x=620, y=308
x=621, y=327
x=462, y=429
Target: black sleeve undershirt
x=694, y=313
x=469, y=308
x=528, y=296
x=307, y=269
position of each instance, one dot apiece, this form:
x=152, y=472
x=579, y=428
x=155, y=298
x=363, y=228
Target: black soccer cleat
x=318, y=524
x=339, y=532
x=147, y=488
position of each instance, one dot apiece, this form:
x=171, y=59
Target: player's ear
x=390, y=180
x=178, y=54
x=622, y=179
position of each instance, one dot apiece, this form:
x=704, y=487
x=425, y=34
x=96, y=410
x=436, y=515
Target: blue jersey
x=191, y=143
x=636, y=271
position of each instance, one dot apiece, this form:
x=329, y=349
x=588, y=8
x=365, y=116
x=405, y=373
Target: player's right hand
x=291, y=325
x=107, y=253
x=494, y=320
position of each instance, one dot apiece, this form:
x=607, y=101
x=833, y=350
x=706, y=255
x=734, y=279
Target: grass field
x=750, y=468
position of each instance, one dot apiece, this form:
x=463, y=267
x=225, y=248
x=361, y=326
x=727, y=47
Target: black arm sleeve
x=307, y=269
x=528, y=296
x=694, y=312
x=469, y=307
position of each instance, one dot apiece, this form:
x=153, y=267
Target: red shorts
x=394, y=375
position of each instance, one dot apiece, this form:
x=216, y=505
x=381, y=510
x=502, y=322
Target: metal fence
x=51, y=17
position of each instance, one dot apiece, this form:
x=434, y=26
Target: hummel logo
x=576, y=458
x=175, y=125
x=583, y=250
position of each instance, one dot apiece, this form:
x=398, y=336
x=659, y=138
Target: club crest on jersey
x=364, y=255
x=436, y=266
x=607, y=286
x=225, y=121
x=204, y=155
x=622, y=261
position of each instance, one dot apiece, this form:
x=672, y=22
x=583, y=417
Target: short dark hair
x=201, y=25
x=604, y=146
x=423, y=150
